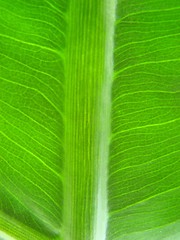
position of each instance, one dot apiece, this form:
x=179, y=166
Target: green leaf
x=144, y=152
x=89, y=119
x=32, y=35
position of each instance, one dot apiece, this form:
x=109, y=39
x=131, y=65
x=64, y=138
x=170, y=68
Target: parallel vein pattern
x=85, y=74
x=32, y=42
x=144, y=194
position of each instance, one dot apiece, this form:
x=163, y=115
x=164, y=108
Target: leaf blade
x=145, y=116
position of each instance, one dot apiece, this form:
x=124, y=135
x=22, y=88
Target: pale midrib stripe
x=84, y=74
x=101, y=213
x=6, y=236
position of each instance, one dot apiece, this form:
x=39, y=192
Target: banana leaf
x=89, y=120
